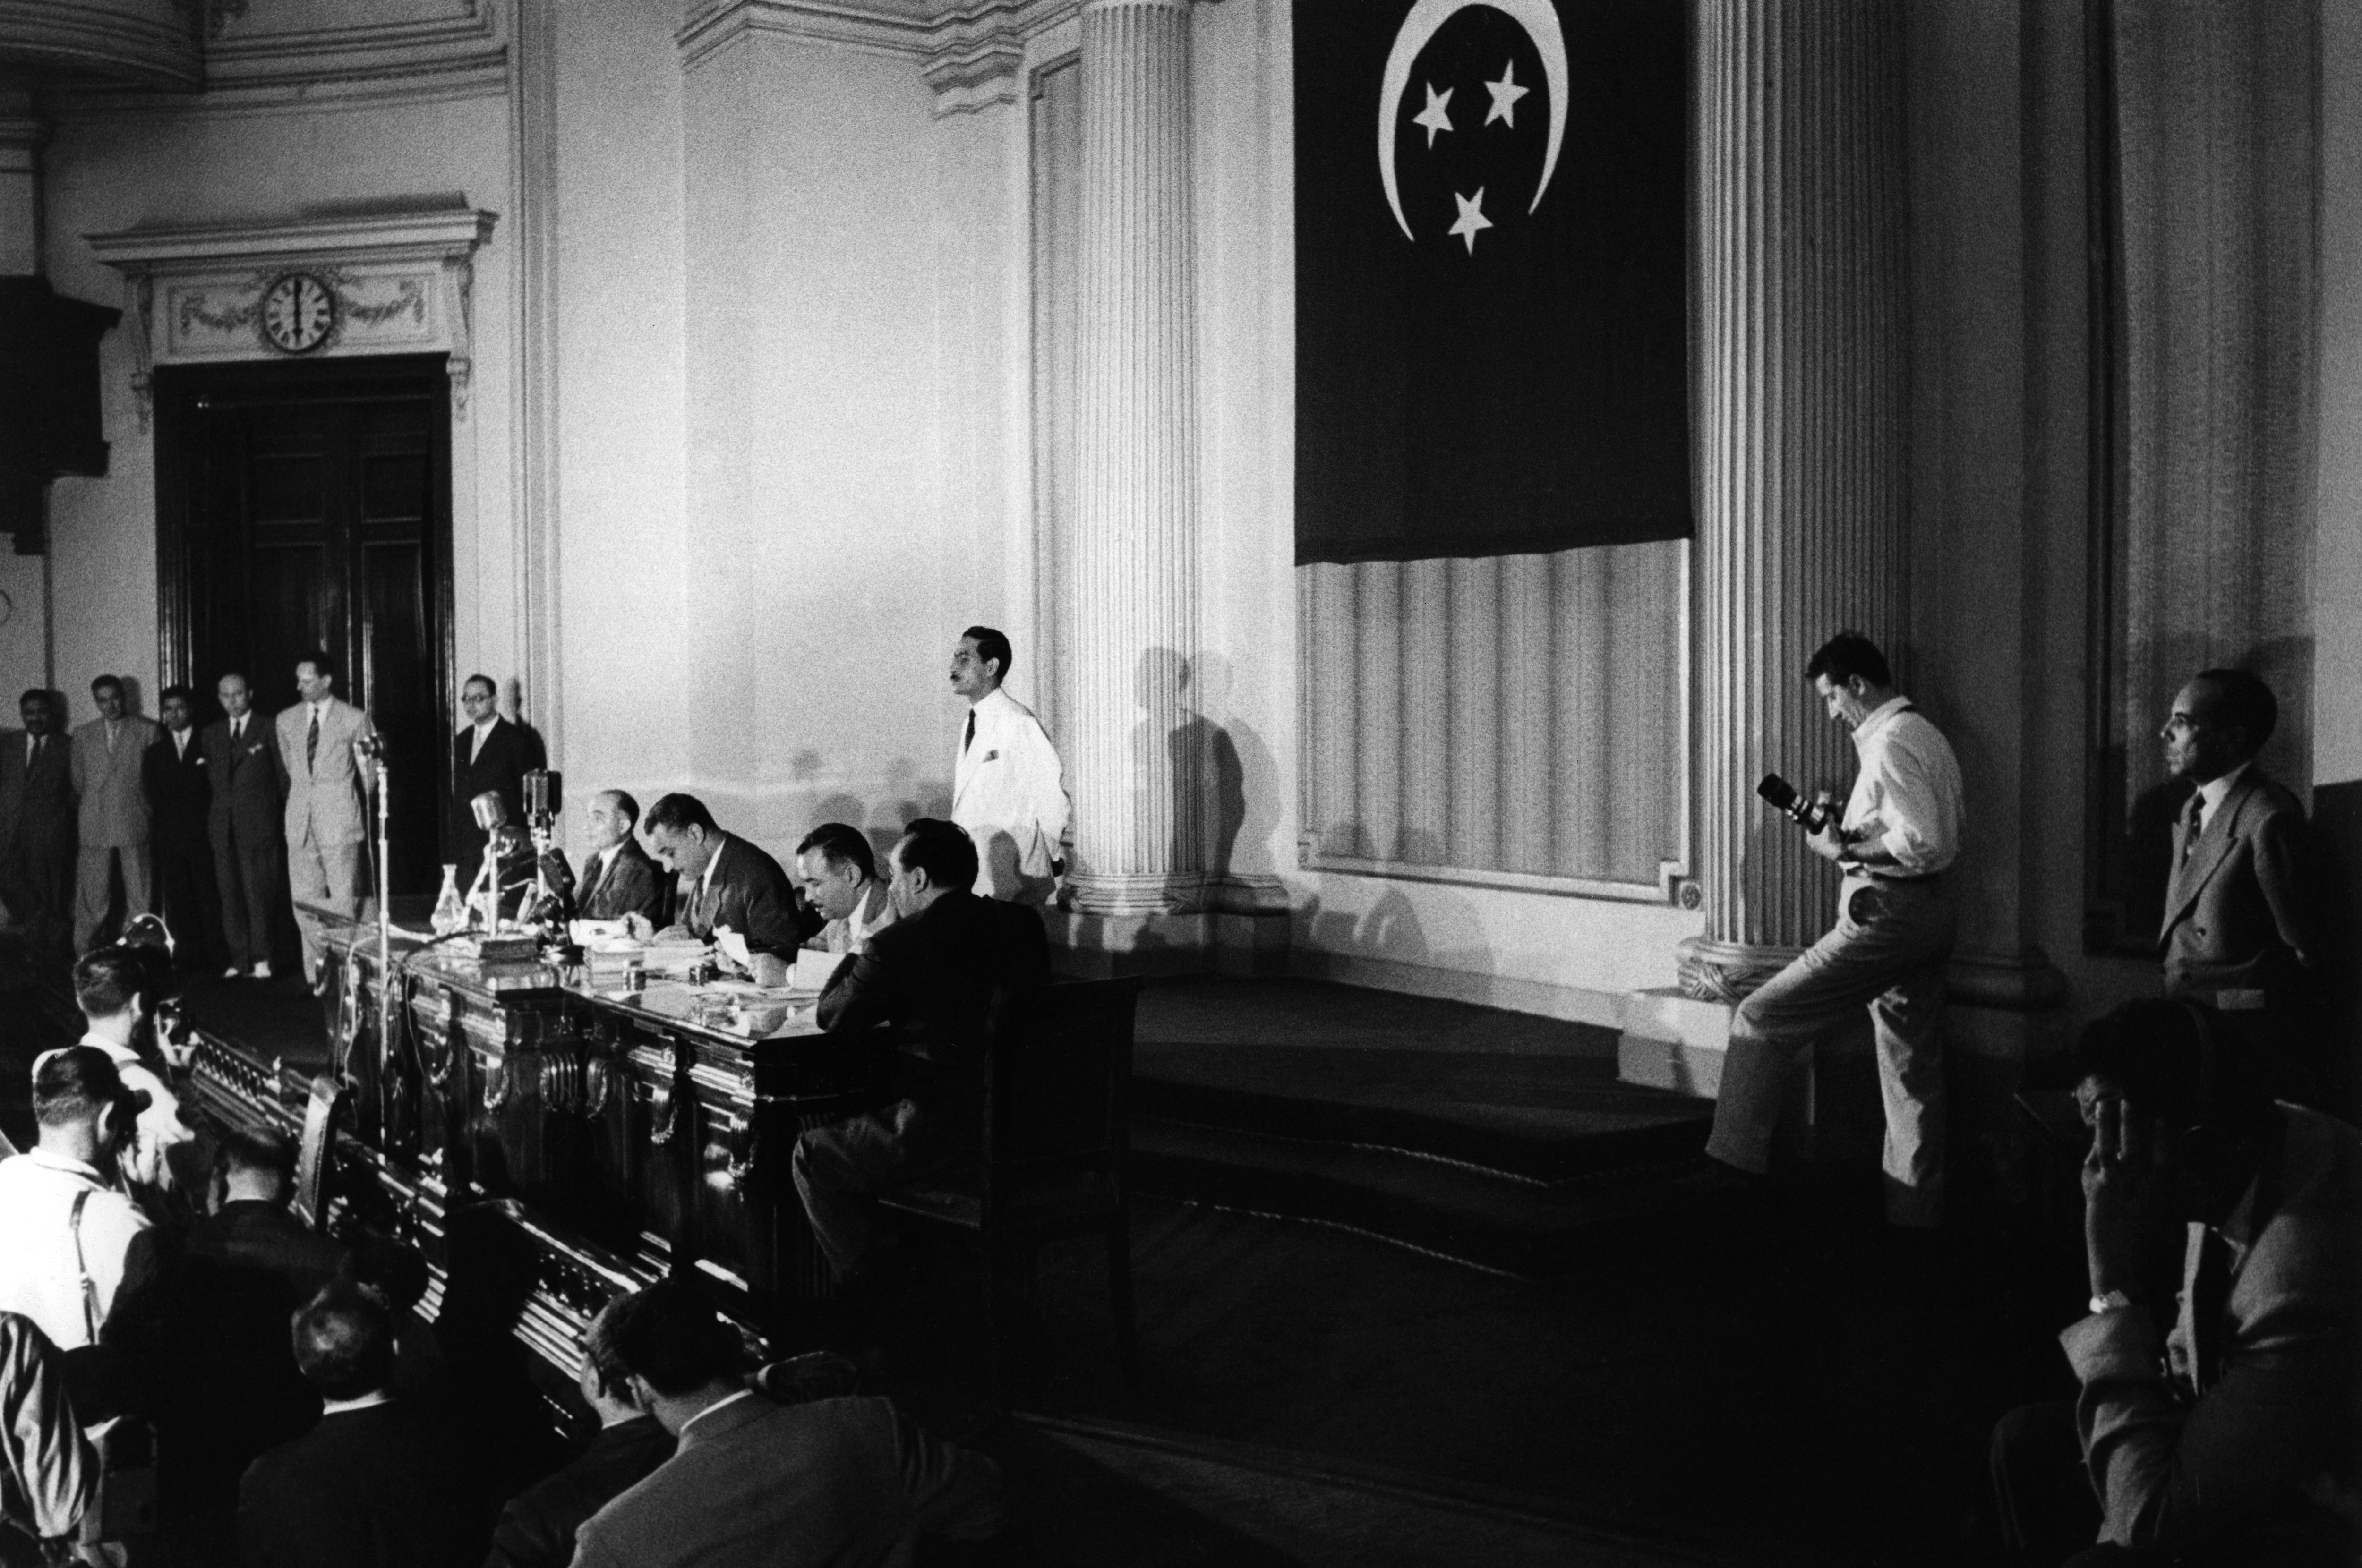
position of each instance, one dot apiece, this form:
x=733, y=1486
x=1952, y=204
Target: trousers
x=95, y=890
x=250, y=881
x=1887, y=950
x=840, y=1167
x=327, y=876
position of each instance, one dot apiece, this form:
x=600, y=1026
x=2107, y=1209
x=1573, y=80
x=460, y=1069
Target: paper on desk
x=589, y=931
x=733, y=947
x=812, y=969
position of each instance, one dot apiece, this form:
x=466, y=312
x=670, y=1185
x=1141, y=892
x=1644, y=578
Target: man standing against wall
x=1009, y=789
x=1900, y=830
x=2238, y=933
x=328, y=816
x=245, y=823
x=37, y=825
x=107, y=757
x=490, y=755
x=180, y=801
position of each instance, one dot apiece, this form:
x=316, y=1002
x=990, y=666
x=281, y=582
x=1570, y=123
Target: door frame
x=179, y=391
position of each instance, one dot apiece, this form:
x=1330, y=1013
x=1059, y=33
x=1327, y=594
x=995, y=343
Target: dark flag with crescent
x=1491, y=300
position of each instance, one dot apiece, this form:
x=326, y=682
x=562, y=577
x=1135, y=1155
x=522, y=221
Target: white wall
x=2337, y=495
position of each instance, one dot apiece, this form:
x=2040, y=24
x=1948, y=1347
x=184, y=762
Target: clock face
x=298, y=313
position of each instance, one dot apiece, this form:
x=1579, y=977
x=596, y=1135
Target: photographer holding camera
x=1901, y=828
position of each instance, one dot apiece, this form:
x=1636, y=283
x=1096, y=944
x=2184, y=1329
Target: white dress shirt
x=1906, y=800
x=851, y=934
x=1009, y=791
x=2210, y=797
x=483, y=728
x=37, y=1277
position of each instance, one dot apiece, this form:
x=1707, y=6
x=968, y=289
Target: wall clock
x=299, y=310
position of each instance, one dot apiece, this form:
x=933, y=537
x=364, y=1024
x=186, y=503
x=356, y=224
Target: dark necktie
x=312, y=744
x=2191, y=819
x=969, y=739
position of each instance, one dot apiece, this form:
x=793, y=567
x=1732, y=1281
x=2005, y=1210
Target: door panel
x=305, y=507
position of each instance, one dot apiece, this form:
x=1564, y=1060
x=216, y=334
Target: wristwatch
x=2109, y=1302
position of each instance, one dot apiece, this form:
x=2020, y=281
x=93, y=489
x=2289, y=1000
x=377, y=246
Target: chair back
x=316, y=1151
x=1057, y=1089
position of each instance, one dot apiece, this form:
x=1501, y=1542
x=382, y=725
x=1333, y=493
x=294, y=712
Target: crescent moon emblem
x=1538, y=17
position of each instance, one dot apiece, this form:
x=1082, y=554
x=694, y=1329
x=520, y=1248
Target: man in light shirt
x=65, y=1227
x=1900, y=830
x=1008, y=787
x=162, y=1151
x=838, y=873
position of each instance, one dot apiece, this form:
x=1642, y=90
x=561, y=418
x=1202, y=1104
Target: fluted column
x=1805, y=377
x=1131, y=750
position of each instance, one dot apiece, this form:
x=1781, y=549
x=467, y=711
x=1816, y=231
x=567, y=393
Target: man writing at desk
x=935, y=979
x=725, y=882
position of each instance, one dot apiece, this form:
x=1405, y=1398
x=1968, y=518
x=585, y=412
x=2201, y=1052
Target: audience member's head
x=605, y=1383
x=834, y=865
x=932, y=859
x=612, y=814
x=394, y=1269
x=177, y=707
x=315, y=676
x=980, y=663
x=33, y=707
x=83, y=1107
x=676, y=1348
x=2220, y=719
x=254, y=1163
x=2195, y=1094
x=344, y=1341
x=106, y=693
x=681, y=834
x=107, y=982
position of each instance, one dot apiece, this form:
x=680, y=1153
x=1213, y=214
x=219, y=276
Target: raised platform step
x=1390, y=1115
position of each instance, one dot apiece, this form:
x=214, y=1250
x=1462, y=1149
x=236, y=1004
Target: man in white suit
x=1008, y=789
x=327, y=815
x=113, y=815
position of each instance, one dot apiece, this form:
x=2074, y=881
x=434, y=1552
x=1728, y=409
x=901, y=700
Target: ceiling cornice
x=972, y=55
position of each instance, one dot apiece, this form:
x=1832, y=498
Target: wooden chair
x=315, y=1153
x=1058, y=1084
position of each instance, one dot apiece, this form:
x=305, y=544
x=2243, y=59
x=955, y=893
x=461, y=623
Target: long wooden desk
x=616, y=1135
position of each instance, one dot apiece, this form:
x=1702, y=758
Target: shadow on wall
x=1229, y=767
x=1401, y=927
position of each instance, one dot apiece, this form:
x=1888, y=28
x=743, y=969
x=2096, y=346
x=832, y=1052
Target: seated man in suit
x=2239, y=914
x=377, y=1483
x=2217, y=1422
x=199, y=1327
x=936, y=980
x=618, y=879
x=537, y=1528
x=839, y=877
x=833, y=1481
x=725, y=881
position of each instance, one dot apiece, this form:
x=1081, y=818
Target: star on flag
x=1472, y=218
x=1433, y=116
x=1505, y=93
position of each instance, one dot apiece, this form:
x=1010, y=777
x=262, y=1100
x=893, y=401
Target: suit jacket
x=107, y=782
x=837, y=1482
x=201, y=1324
x=179, y=793
x=36, y=801
x=751, y=895
x=326, y=804
x=509, y=753
x=631, y=883
x=248, y=789
x=2238, y=909
x=2245, y=1403
x=939, y=979
x=538, y=1526
x=379, y=1487
x=1009, y=791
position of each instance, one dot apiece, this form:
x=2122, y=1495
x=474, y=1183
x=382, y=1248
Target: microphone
x=371, y=746
x=1811, y=815
x=489, y=809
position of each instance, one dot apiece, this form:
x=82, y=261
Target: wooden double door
x=305, y=507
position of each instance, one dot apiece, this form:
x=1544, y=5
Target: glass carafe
x=450, y=912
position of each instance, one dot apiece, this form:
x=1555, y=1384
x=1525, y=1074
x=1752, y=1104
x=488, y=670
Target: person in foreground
x=2218, y=1420
x=935, y=978
x=377, y=1483
x=845, y=1481
x=65, y=1224
x=1901, y=829
x=49, y=1473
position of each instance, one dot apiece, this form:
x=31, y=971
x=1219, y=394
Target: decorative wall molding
x=460, y=54
x=150, y=43
x=972, y=56
x=404, y=282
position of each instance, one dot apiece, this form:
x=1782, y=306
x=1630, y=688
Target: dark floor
x=1782, y=1381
